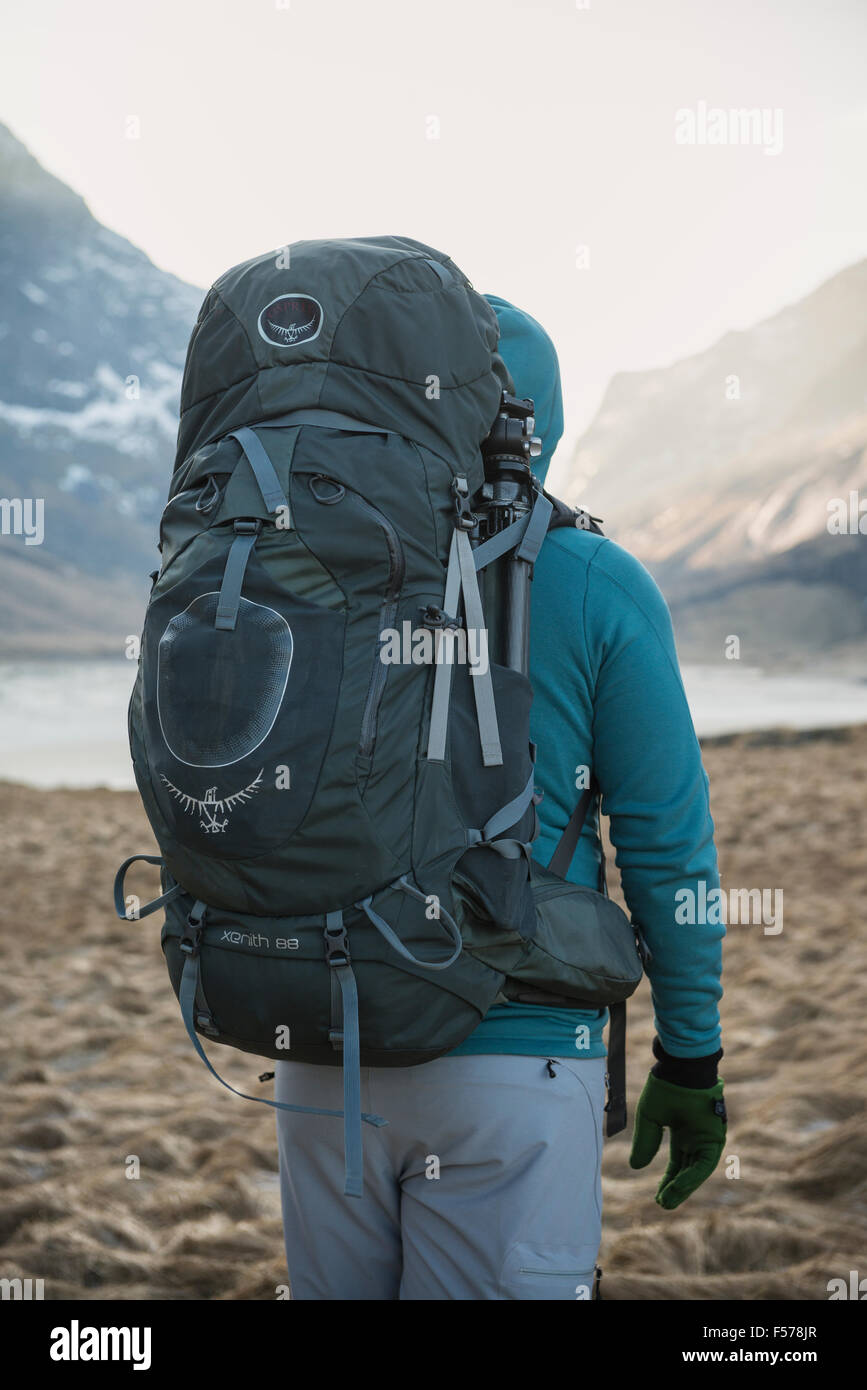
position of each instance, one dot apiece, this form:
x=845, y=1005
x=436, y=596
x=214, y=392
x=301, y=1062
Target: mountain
x=718, y=472
x=92, y=345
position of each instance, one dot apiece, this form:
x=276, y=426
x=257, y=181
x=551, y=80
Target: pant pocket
x=553, y=1273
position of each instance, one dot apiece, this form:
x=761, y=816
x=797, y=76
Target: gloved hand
x=696, y=1117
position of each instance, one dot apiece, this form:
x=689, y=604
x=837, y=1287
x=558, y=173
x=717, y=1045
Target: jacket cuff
x=698, y=1073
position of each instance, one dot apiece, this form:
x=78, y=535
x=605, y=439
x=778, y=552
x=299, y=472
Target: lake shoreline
x=64, y=724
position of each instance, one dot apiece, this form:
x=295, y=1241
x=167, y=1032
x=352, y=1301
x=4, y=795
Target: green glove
x=697, y=1120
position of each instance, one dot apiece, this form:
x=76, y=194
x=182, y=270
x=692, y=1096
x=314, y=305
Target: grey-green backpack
x=345, y=839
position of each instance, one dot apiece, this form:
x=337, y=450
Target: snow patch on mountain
x=122, y=412
x=33, y=293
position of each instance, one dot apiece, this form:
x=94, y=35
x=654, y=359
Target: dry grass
x=97, y=1067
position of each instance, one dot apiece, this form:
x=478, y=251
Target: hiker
x=486, y=1182
x=352, y=876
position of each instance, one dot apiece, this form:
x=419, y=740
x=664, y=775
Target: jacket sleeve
x=655, y=790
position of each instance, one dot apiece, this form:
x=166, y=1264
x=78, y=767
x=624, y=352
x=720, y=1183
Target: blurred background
x=676, y=192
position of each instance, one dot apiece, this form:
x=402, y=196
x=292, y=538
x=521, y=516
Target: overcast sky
x=555, y=127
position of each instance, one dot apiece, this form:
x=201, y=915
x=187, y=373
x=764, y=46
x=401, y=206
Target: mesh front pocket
x=237, y=722
x=220, y=719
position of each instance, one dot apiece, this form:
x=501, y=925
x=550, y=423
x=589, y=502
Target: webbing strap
x=525, y=536
x=444, y=276
x=187, y=998
x=263, y=469
x=512, y=812
x=568, y=842
x=344, y=1035
x=615, y=1110
x=442, y=916
x=233, y=578
x=334, y=928
x=439, y=714
x=504, y=540
x=203, y=1014
x=395, y=942
x=537, y=530
x=483, y=685
x=352, y=1144
x=506, y=848
x=335, y=1032
x=155, y=903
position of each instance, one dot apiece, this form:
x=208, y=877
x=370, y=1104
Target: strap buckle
x=336, y=946
x=193, y=930
x=248, y=526
x=465, y=519
x=191, y=941
x=435, y=617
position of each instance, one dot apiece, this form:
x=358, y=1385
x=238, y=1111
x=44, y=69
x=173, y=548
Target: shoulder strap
x=615, y=1119
x=568, y=842
x=563, y=515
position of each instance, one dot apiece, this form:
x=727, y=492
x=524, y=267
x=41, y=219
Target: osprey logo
x=290, y=320
x=210, y=806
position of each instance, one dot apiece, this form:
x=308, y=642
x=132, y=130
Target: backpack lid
x=384, y=329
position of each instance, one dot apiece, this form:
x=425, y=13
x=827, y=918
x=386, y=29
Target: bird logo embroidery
x=291, y=319
x=211, y=806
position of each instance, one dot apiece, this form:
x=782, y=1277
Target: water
x=730, y=698
x=64, y=723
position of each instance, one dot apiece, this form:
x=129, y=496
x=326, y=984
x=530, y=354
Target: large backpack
x=345, y=839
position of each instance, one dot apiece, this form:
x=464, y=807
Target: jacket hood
x=531, y=359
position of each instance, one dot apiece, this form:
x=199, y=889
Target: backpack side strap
x=568, y=842
x=155, y=903
x=462, y=579
x=524, y=537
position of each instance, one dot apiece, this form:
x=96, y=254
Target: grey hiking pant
x=484, y=1184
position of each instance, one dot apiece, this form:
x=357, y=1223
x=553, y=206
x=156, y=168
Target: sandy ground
x=96, y=1066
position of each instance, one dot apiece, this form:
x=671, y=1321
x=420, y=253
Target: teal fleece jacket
x=608, y=695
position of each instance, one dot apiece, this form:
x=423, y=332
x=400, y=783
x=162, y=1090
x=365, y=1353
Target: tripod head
x=508, y=449
x=511, y=435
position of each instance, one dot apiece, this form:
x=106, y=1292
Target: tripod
x=507, y=497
